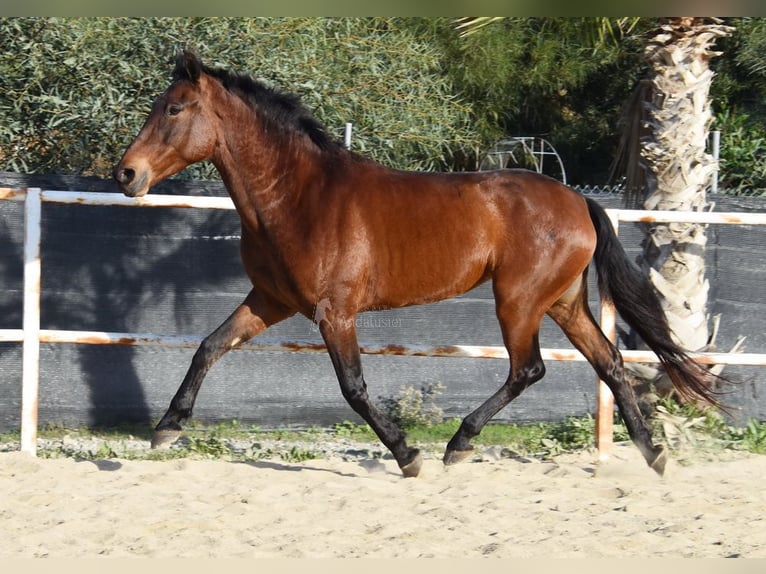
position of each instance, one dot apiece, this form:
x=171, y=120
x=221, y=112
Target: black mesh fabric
x=177, y=271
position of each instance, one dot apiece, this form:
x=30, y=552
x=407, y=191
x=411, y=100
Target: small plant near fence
x=415, y=406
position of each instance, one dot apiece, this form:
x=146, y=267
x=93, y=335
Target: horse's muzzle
x=128, y=183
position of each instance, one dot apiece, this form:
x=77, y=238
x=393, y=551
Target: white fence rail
x=31, y=335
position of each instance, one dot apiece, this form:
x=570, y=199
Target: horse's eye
x=173, y=110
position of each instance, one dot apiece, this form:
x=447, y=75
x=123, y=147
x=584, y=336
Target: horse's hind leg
x=520, y=333
x=572, y=314
x=252, y=317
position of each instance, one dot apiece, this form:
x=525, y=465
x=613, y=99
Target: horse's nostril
x=124, y=175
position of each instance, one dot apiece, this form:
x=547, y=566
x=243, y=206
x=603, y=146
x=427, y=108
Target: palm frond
x=471, y=24
x=615, y=29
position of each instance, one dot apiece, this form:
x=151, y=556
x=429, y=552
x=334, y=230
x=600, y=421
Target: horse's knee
x=533, y=372
x=525, y=377
x=206, y=353
x=355, y=393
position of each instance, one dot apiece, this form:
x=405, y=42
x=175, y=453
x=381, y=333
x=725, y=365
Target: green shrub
x=742, y=154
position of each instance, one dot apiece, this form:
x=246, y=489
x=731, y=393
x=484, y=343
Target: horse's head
x=179, y=131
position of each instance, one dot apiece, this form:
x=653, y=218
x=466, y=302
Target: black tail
x=621, y=282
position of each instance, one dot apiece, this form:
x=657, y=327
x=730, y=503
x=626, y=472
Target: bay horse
x=323, y=224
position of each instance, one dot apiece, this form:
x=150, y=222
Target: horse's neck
x=264, y=183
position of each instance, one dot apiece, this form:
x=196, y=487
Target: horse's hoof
x=165, y=437
x=412, y=469
x=456, y=456
x=660, y=459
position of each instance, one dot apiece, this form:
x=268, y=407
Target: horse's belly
x=420, y=280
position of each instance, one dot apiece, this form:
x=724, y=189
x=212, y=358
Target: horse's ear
x=188, y=66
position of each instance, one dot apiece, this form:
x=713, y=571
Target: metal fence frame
x=31, y=335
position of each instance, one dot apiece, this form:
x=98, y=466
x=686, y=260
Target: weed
x=415, y=407
x=575, y=433
x=104, y=451
x=751, y=438
x=345, y=429
x=688, y=424
x=211, y=446
x=297, y=454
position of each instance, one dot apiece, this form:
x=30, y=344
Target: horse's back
x=501, y=207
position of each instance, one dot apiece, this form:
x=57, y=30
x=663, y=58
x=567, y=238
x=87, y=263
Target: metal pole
x=30, y=374
x=716, y=153
x=347, y=136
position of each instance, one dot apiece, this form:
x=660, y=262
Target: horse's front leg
x=252, y=317
x=340, y=337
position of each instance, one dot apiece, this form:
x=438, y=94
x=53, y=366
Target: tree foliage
x=545, y=77
x=739, y=98
x=74, y=91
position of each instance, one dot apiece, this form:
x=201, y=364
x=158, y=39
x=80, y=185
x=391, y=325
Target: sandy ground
x=569, y=507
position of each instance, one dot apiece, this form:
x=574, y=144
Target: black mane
x=285, y=110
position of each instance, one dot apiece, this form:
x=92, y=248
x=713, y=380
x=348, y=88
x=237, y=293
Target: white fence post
x=30, y=376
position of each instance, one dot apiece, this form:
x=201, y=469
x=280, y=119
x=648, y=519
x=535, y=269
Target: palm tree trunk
x=678, y=169
x=668, y=144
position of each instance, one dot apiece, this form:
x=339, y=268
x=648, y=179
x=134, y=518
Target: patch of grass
x=676, y=425
x=574, y=433
x=355, y=432
x=433, y=433
x=10, y=436
x=118, y=432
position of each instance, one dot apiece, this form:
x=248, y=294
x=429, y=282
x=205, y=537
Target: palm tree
x=673, y=171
